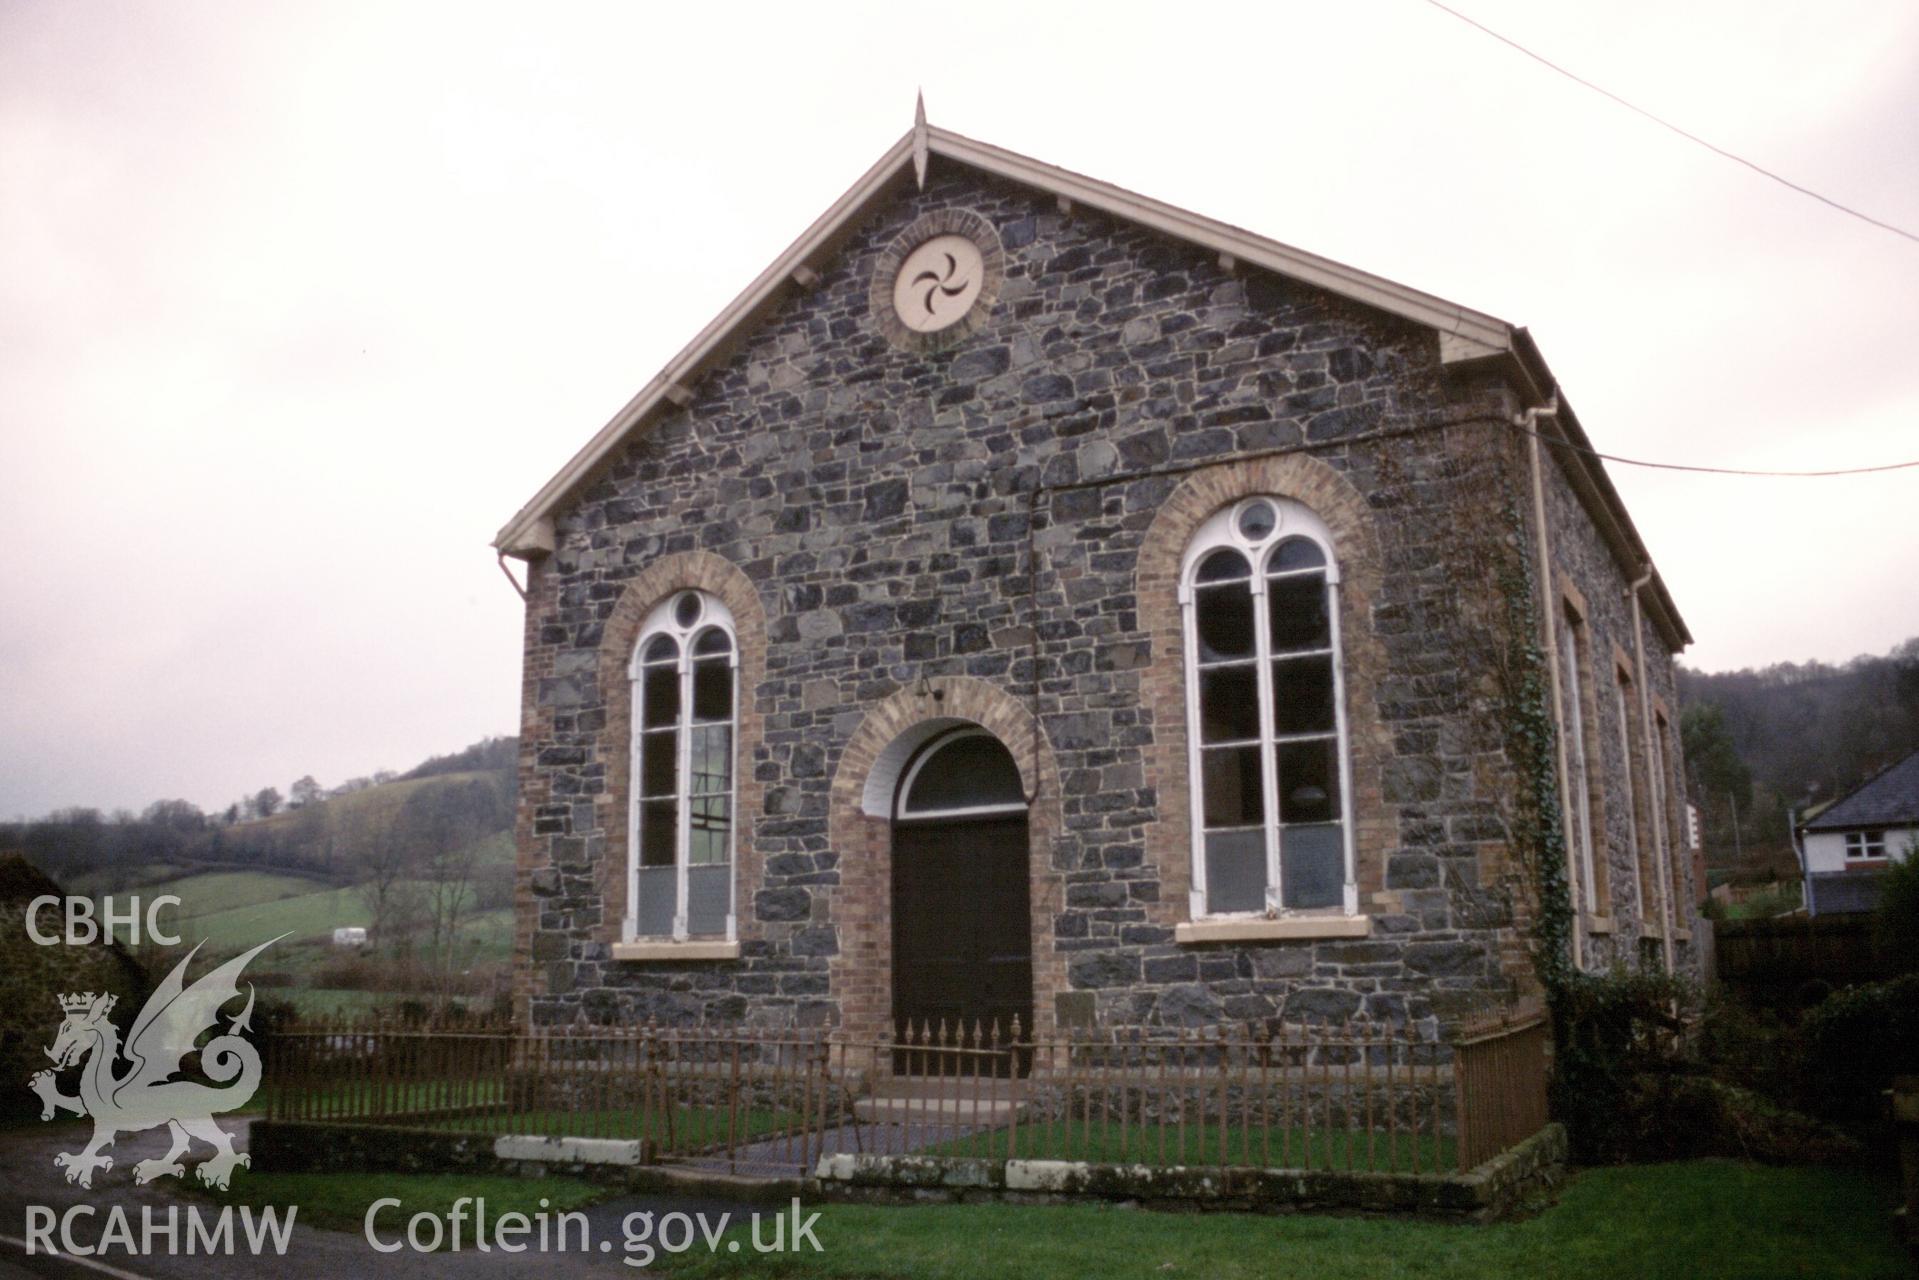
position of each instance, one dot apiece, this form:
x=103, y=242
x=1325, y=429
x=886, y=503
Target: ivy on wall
x=1533, y=749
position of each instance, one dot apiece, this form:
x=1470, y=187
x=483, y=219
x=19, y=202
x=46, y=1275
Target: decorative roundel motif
x=935, y=284
x=938, y=283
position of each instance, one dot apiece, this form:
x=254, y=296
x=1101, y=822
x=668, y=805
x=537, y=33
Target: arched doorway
x=961, y=903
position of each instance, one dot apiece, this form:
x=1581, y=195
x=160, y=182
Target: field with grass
x=92, y=884
x=212, y=892
x=229, y=910
x=1699, y=1220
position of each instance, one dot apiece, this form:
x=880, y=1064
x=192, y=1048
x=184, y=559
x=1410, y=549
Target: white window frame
x=662, y=621
x=1866, y=841
x=1622, y=695
x=1573, y=645
x=1221, y=529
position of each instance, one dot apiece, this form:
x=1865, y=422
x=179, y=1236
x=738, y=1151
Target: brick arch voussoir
x=1298, y=476
x=965, y=698
x=699, y=570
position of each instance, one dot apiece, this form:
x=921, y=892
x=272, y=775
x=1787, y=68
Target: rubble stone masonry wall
x=873, y=515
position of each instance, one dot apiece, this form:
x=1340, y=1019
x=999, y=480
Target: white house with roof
x=1849, y=844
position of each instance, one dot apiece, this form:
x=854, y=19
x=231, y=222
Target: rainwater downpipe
x=1032, y=622
x=1529, y=423
x=1655, y=771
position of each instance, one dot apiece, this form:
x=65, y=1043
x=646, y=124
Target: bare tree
x=381, y=861
x=444, y=825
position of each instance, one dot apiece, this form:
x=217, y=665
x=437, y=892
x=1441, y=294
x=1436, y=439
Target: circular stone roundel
x=938, y=283
x=935, y=284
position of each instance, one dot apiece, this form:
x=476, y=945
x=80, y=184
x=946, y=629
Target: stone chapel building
x=1031, y=599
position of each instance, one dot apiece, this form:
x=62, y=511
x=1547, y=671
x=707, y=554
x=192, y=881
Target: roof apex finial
x=919, y=139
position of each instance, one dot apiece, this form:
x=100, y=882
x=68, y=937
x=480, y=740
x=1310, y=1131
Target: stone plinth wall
x=1494, y=1190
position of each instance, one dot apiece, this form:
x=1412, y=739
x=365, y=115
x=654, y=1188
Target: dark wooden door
x=962, y=924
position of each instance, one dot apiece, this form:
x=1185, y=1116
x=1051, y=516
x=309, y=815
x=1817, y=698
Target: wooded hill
x=444, y=803
x=423, y=861
x=1760, y=743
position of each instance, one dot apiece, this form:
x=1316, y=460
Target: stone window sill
x=1195, y=932
x=1599, y=924
x=667, y=950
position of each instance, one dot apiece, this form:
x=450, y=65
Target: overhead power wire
x=1667, y=124
x=1717, y=471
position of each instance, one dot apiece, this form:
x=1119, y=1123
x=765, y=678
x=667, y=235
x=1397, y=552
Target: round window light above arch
x=1278, y=535
x=903, y=762
x=685, y=618
x=963, y=773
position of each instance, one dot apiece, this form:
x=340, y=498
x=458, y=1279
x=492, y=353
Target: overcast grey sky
x=298, y=303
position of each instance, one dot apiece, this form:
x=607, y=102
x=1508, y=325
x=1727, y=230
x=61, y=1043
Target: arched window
x=1266, y=720
x=680, y=825
x=964, y=773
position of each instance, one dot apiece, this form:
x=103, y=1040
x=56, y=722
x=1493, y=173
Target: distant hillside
x=328, y=837
x=422, y=861
x=489, y=755
x=443, y=804
x=1762, y=742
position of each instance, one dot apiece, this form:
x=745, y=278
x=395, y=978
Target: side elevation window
x=1265, y=701
x=1624, y=701
x=1574, y=677
x=1671, y=791
x=680, y=828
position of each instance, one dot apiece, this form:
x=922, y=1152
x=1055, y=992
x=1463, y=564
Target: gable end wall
x=874, y=502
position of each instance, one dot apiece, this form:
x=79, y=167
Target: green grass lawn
x=686, y=1129
x=1275, y=1147
x=338, y=1201
x=1699, y=1220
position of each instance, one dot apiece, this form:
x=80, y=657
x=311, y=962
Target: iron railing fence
x=1352, y=1095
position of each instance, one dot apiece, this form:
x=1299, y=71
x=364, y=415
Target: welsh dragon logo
x=144, y=1095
